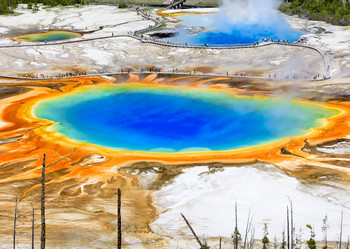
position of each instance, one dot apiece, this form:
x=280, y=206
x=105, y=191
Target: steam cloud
x=240, y=22
x=253, y=20
x=249, y=12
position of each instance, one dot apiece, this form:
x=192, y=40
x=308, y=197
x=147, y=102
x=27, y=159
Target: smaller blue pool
x=214, y=30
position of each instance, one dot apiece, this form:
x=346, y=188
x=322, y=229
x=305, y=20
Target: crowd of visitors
x=278, y=41
x=276, y=76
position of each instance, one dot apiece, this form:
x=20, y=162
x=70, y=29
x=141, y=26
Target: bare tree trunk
x=194, y=234
x=119, y=221
x=291, y=226
x=220, y=244
x=326, y=240
x=252, y=234
x=33, y=230
x=14, y=225
x=247, y=229
x=43, y=226
x=341, y=229
x=236, y=228
x=288, y=233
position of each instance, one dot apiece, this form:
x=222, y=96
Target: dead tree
x=236, y=229
x=14, y=224
x=220, y=244
x=43, y=227
x=288, y=234
x=33, y=230
x=119, y=221
x=247, y=229
x=341, y=229
x=291, y=226
x=252, y=234
x=194, y=234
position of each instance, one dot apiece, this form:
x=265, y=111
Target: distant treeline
x=8, y=6
x=332, y=11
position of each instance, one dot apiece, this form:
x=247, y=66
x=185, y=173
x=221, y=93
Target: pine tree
x=275, y=243
x=325, y=227
x=283, y=245
x=236, y=236
x=265, y=239
x=311, y=243
x=298, y=239
x=205, y=245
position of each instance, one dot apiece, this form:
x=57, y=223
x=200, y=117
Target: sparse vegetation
x=8, y=6
x=325, y=227
x=122, y=5
x=265, y=239
x=236, y=236
x=284, y=243
x=311, y=243
x=332, y=11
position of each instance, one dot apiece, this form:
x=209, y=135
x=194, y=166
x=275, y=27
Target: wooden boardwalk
x=176, y=4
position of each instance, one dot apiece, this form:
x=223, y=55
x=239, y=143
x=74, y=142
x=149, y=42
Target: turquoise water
x=219, y=31
x=128, y=117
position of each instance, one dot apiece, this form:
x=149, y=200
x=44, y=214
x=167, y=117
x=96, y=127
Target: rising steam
x=252, y=19
x=240, y=22
x=249, y=11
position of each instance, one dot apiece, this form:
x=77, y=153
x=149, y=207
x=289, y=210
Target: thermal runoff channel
x=236, y=22
x=164, y=119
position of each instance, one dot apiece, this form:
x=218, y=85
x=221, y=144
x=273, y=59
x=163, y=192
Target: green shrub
x=122, y=5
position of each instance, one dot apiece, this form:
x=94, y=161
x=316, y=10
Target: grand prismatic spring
x=146, y=118
x=258, y=126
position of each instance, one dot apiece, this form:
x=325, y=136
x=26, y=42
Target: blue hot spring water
x=218, y=31
x=130, y=117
